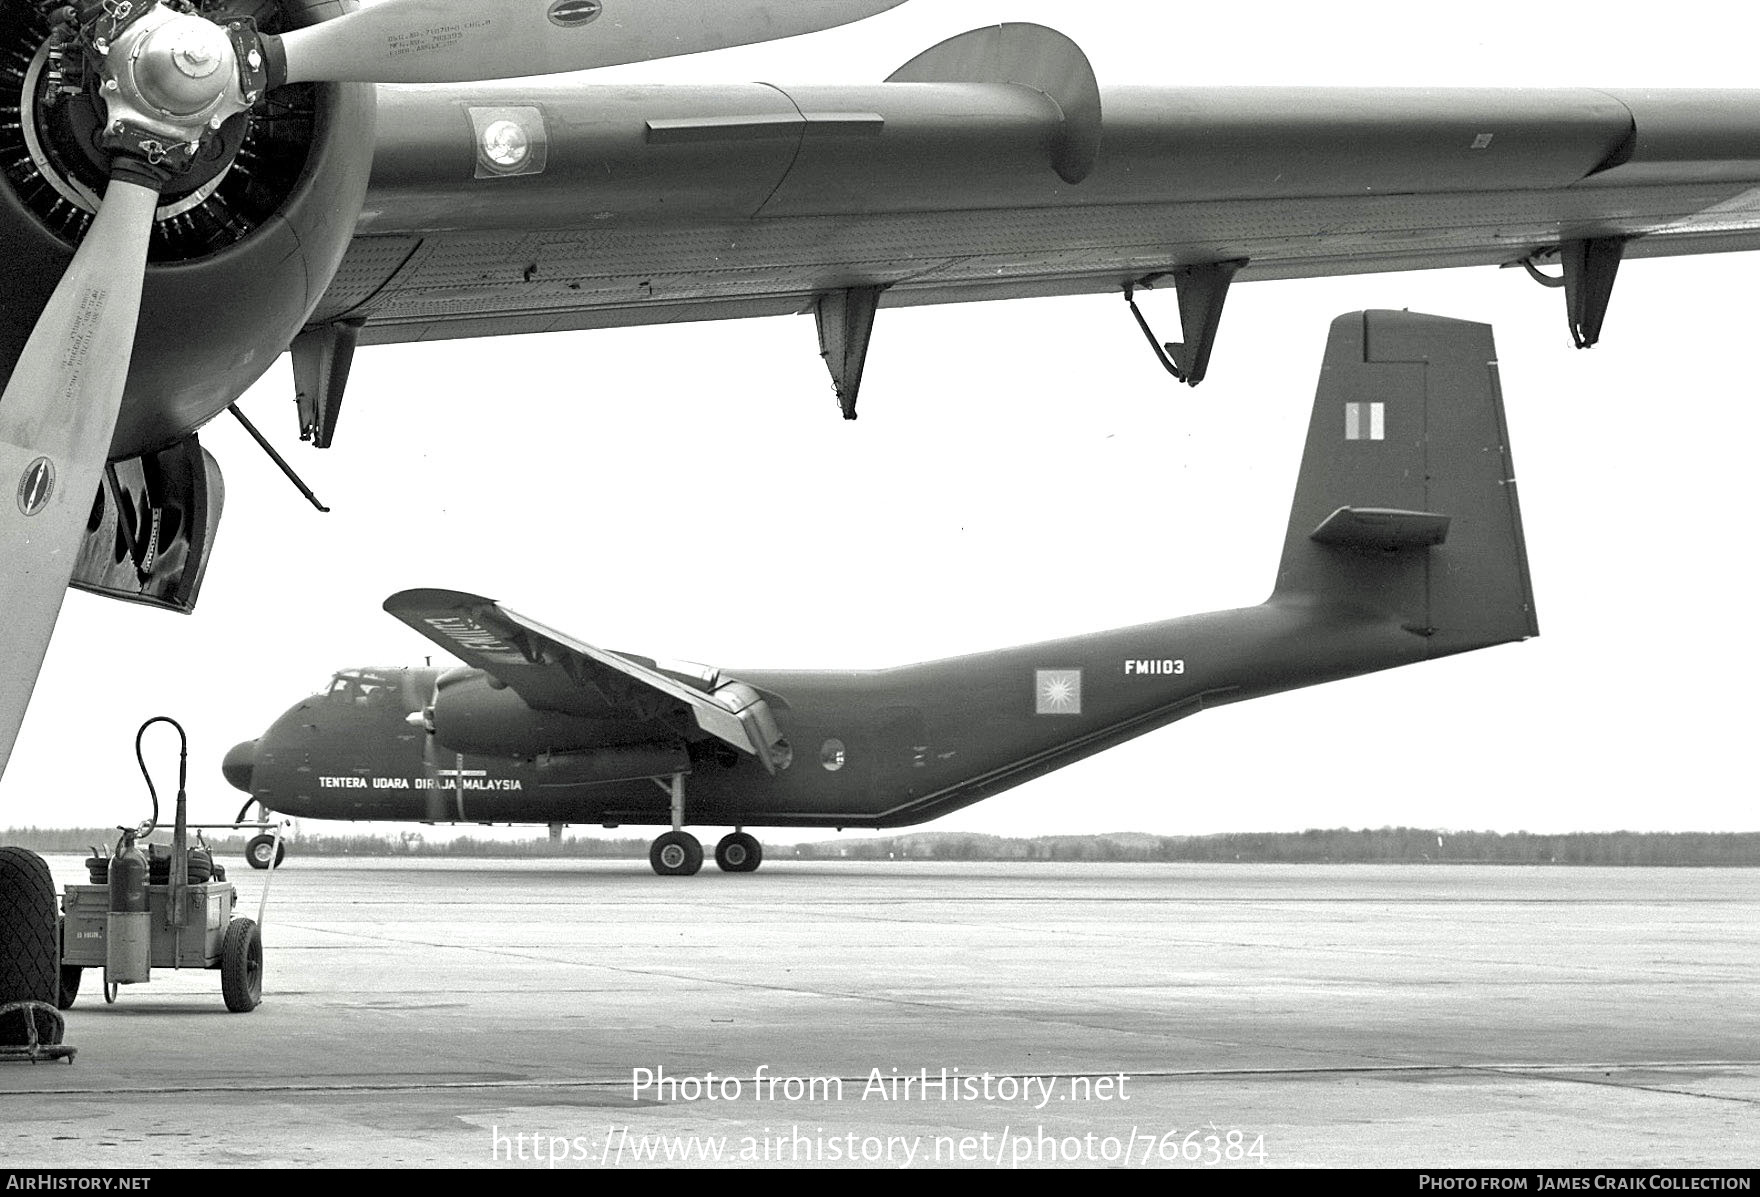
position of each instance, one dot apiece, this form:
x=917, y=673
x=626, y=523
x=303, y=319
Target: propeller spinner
x=166, y=80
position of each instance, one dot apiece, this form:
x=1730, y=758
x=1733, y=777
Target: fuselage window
x=831, y=755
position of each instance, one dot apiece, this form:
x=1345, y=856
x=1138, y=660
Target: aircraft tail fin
x=1406, y=505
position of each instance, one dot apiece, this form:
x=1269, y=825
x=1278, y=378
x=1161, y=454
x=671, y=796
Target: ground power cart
x=206, y=936
x=171, y=909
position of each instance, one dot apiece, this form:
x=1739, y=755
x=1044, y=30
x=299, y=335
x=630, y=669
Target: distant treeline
x=1385, y=845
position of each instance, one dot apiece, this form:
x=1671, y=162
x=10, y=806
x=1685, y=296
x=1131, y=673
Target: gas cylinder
x=127, y=932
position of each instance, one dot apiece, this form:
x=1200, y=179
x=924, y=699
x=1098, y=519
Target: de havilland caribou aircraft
x=189, y=188
x=1404, y=544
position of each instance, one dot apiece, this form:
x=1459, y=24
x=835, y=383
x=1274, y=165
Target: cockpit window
x=364, y=688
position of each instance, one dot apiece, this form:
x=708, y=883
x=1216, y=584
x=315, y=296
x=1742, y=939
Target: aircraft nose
x=240, y=762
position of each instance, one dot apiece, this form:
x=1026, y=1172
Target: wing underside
x=639, y=206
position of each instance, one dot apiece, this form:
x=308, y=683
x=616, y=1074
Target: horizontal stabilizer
x=1381, y=528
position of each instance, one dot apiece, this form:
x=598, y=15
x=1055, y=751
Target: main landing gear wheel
x=739, y=853
x=259, y=850
x=676, y=854
x=30, y=955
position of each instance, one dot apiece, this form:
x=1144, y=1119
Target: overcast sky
x=1023, y=471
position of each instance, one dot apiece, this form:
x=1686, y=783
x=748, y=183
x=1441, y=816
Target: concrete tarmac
x=507, y=1014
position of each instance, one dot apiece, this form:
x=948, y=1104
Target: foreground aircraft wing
x=994, y=166
x=553, y=672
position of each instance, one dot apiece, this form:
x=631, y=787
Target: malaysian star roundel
x=1057, y=692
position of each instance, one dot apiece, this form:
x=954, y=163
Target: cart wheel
x=70, y=978
x=241, y=966
x=259, y=849
x=70, y=973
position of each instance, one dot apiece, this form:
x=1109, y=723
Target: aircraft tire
x=676, y=854
x=30, y=950
x=739, y=853
x=257, y=851
x=241, y=966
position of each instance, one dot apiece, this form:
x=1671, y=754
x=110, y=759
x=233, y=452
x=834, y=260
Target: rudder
x=1406, y=504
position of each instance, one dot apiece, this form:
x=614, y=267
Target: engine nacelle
x=244, y=246
x=474, y=714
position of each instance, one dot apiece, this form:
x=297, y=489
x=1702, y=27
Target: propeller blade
x=440, y=802
x=441, y=799
x=56, y=421
x=468, y=41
